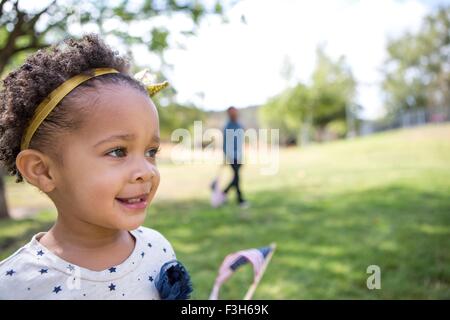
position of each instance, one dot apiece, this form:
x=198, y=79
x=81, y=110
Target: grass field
x=333, y=210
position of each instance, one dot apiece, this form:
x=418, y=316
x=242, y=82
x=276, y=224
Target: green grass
x=333, y=210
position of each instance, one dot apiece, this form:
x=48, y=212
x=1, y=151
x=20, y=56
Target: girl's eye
x=152, y=152
x=120, y=151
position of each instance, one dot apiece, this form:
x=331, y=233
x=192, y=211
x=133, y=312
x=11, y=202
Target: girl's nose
x=145, y=172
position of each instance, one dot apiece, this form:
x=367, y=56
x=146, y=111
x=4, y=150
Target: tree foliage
x=316, y=106
x=416, y=73
x=25, y=29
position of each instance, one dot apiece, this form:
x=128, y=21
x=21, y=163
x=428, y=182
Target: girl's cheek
x=155, y=181
x=105, y=184
x=157, y=177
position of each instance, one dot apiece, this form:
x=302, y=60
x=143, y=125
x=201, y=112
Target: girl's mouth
x=137, y=203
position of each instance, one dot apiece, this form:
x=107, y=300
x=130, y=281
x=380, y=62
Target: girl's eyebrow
x=125, y=137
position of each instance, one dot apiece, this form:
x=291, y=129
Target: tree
x=416, y=72
x=286, y=112
x=3, y=205
x=320, y=106
x=333, y=90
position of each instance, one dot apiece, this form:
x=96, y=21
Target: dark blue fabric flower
x=173, y=281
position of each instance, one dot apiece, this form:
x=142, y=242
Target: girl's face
x=111, y=157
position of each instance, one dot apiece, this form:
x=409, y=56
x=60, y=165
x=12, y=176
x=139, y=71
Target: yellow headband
x=52, y=100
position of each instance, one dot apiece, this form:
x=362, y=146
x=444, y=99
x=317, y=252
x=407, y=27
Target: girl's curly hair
x=24, y=88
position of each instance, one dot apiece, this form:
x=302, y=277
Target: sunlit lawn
x=332, y=209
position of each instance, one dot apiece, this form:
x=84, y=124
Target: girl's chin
x=131, y=222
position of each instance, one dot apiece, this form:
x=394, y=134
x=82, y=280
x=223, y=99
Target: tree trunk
x=3, y=206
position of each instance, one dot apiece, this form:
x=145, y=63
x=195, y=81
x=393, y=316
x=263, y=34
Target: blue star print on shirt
x=10, y=272
x=57, y=289
x=42, y=271
x=142, y=254
x=112, y=269
x=40, y=253
x=112, y=287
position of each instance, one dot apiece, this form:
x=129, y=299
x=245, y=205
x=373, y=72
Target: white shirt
x=34, y=272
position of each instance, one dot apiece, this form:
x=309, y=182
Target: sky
x=239, y=63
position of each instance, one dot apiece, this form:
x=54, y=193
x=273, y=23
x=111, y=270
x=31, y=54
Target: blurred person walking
x=233, y=139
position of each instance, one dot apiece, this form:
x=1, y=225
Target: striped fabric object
x=257, y=257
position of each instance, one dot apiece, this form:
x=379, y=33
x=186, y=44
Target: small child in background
x=75, y=124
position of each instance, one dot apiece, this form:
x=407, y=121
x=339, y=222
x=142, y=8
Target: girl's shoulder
x=19, y=257
x=15, y=270
x=153, y=238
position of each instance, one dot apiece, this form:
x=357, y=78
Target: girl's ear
x=35, y=168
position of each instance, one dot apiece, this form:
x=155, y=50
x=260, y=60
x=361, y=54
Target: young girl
x=75, y=124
